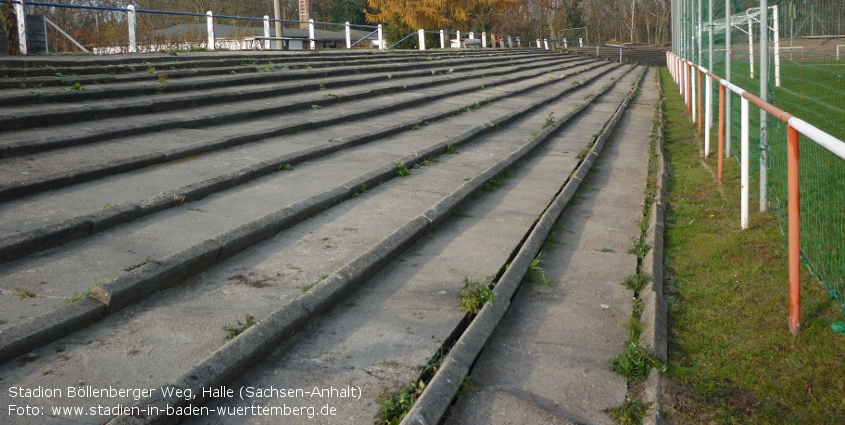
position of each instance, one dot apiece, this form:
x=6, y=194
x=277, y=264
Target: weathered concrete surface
x=78, y=266
x=375, y=339
x=141, y=344
x=549, y=358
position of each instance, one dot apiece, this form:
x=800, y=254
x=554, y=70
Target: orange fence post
x=700, y=112
x=721, y=153
x=794, y=211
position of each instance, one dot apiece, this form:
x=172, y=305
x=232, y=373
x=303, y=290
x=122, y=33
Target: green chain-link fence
x=806, y=77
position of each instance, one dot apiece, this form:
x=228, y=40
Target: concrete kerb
x=160, y=274
x=19, y=148
x=26, y=243
x=433, y=402
x=654, y=337
x=31, y=334
x=227, y=362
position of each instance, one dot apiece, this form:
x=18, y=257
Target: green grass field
x=815, y=92
x=732, y=359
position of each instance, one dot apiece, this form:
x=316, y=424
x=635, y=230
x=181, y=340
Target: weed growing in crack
x=640, y=248
x=473, y=297
x=550, y=120
x=233, y=331
x=583, y=154
x=363, y=189
x=634, y=363
x=636, y=282
x=630, y=412
x=451, y=149
x=460, y=213
x=25, y=293
x=306, y=288
x=285, y=167
x=402, y=170
x=538, y=275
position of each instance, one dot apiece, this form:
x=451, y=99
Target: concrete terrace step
x=29, y=73
x=151, y=240
x=98, y=87
x=29, y=141
x=340, y=235
x=55, y=168
x=31, y=217
x=350, y=269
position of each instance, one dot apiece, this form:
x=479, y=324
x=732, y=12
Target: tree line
x=603, y=21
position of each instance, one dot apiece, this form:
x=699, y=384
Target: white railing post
x=580, y=42
x=751, y=48
x=744, y=165
x=693, y=92
x=484, y=40
x=442, y=39
x=348, y=36
x=267, y=32
x=565, y=46
x=510, y=41
x=133, y=37
x=458, y=36
x=708, y=108
x=518, y=42
x=777, y=46
x=546, y=43
x=20, y=12
x=209, y=20
x=422, y=39
x=311, y=34
x=471, y=35
x=381, y=45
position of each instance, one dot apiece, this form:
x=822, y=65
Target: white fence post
x=421, y=34
x=210, y=25
x=693, y=94
x=777, y=46
x=565, y=46
x=471, y=35
x=458, y=37
x=267, y=32
x=744, y=166
x=311, y=34
x=348, y=36
x=708, y=111
x=750, y=48
x=442, y=40
x=133, y=37
x=546, y=43
x=510, y=41
x=580, y=42
x=381, y=45
x=20, y=12
x=484, y=40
